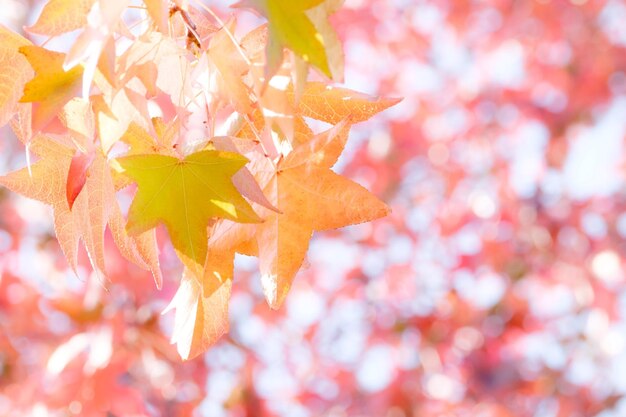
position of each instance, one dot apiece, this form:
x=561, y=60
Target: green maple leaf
x=289, y=26
x=184, y=195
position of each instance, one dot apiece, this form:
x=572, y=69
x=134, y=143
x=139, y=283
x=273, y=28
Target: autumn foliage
x=149, y=115
x=199, y=162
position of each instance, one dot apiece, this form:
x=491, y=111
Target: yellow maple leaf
x=52, y=87
x=184, y=195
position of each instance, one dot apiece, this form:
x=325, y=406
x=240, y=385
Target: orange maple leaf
x=310, y=197
x=333, y=104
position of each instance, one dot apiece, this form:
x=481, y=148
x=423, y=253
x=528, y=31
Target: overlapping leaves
x=261, y=186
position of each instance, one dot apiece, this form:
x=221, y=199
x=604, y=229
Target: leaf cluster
x=209, y=131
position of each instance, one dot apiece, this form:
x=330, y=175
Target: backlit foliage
x=494, y=286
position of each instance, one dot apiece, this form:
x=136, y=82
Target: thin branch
x=228, y=32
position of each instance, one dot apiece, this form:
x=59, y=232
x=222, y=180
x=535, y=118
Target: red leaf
x=77, y=175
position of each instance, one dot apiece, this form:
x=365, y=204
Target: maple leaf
x=184, y=195
x=291, y=27
x=52, y=87
x=61, y=16
x=16, y=71
x=311, y=198
x=333, y=104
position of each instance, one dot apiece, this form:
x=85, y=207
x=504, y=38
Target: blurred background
x=495, y=288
